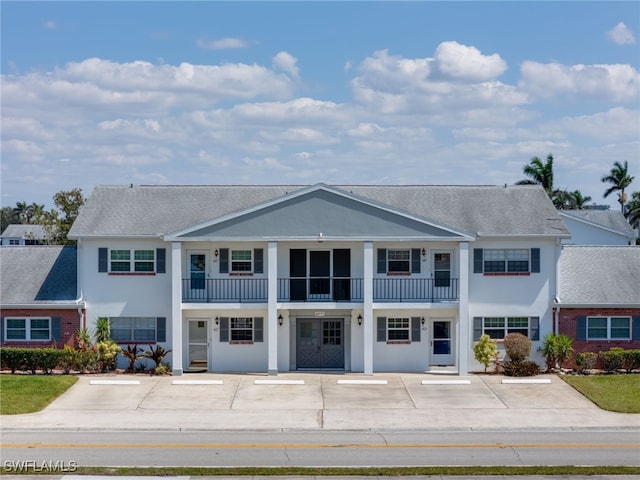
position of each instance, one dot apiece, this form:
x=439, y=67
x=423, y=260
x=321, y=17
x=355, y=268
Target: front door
x=320, y=343
x=198, y=345
x=197, y=284
x=441, y=343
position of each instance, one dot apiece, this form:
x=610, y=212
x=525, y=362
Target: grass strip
x=31, y=393
x=470, y=471
x=615, y=393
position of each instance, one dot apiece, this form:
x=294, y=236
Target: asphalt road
x=323, y=448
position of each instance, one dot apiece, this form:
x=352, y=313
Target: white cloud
x=222, y=43
x=621, y=34
x=608, y=82
x=461, y=62
x=287, y=63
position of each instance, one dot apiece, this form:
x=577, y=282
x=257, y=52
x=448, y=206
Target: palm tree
x=619, y=179
x=578, y=200
x=539, y=173
x=633, y=210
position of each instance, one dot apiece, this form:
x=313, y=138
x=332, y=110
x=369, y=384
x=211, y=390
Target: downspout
x=79, y=290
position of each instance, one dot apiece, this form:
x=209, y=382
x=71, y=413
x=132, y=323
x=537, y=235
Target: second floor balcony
x=319, y=289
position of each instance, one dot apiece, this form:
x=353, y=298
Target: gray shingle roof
x=600, y=275
x=610, y=219
x=35, y=232
x=38, y=274
x=160, y=210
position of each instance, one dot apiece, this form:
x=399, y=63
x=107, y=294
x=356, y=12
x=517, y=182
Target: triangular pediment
x=320, y=209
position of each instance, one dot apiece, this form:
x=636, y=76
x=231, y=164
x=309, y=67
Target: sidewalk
x=312, y=401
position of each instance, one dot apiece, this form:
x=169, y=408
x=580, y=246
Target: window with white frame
x=499, y=327
x=241, y=261
x=241, y=329
x=399, y=260
x=398, y=329
x=132, y=261
x=514, y=260
x=608, y=328
x=27, y=329
x=133, y=329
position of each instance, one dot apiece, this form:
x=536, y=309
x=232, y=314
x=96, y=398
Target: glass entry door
x=441, y=343
x=198, y=345
x=198, y=272
x=320, y=343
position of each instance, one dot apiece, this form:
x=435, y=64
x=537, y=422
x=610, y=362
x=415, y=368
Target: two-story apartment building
x=354, y=278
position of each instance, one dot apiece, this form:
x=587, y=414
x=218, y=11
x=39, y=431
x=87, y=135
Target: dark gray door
x=320, y=343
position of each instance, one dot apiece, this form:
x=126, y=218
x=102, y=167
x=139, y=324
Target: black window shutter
x=535, y=260
x=258, y=260
x=382, y=329
x=224, y=260
x=161, y=260
x=224, y=329
x=636, y=328
x=415, y=329
x=477, y=260
x=1, y=329
x=415, y=260
x=103, y=260
x=258, y=329
x=161, y=329
x=581, y=327
x=477, y=328
x=56, y=329
x=534, y=328
x=382, y=260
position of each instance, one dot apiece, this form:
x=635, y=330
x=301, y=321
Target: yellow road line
x=311, y=446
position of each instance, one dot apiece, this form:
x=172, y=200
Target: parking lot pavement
x=318, y=401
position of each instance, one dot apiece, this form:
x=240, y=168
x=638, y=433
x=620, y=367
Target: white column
x=367, y=323
x=176, y=311
x=464, y=343
x=272, y=329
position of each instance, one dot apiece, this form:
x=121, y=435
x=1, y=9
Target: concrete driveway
x=318, y=401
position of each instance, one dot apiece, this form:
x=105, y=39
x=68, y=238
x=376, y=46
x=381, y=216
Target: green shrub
x=485, y=350
x=67, y=360
x=48, y=359
x=631, y=360
x=156, y=354
x=556, y=349
x=520, y=368
x=612, y=360
x=12, y=358
x=517, y=346
x=586, y=361
x=107, y=351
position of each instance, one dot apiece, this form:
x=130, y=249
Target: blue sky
x=306, y=92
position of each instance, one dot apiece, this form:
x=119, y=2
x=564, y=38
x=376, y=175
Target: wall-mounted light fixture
x=359, y=319
x=217, y=321
x=280, y=320
x=422, y=321
x=424, y=252
x=320, y=239
x=216, y=253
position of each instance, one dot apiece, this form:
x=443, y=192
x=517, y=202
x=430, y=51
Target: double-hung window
x=499, y=327
x=133, y=329
x=398, y=329
x=608, y=328
x=506, y=260
x=241, y=329
x=241, y=261
x=141, y=261
x=398, y=261
x=28, y=329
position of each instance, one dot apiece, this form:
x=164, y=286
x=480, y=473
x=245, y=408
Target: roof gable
x=315, y=211
x=606, y=220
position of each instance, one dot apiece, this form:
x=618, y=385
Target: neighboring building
x=598, y=302
x=19, y=234
x=38, y=296
x=598, y=227
x=353, y=278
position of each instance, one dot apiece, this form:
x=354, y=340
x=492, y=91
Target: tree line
x=56, y=222
x=541, y=173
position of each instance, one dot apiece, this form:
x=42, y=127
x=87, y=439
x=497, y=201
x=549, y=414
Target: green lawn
x=616, y=393
x=31, y=393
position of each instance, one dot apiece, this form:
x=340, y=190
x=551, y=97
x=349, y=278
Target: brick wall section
x=568, y=326
x=69, y=324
